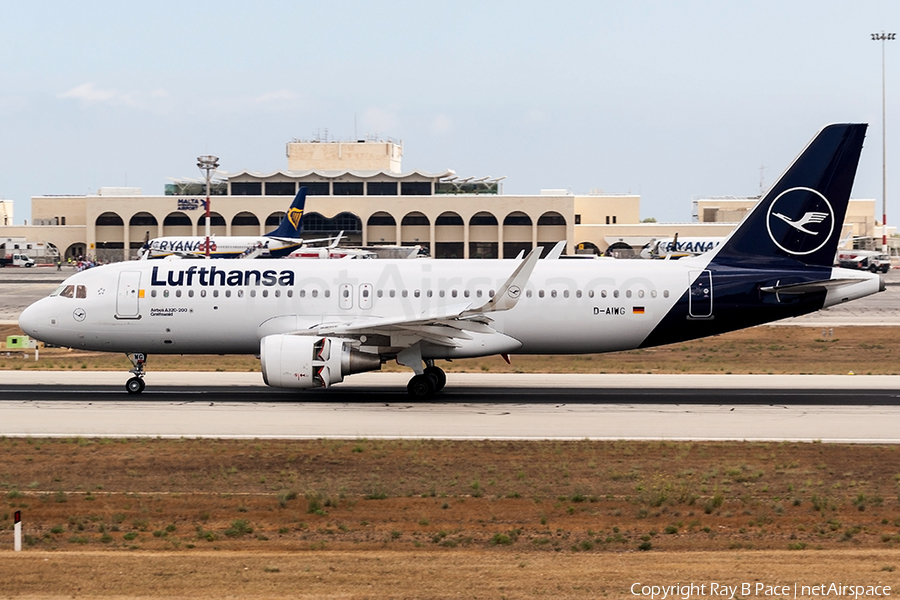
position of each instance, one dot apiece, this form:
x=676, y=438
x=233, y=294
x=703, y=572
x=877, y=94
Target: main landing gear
x=135, y=385
x=430, y=381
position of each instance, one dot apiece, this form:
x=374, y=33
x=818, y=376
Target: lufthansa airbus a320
x=312, y=323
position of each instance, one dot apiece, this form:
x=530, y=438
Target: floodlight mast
x=883, y=37
x=208, y=164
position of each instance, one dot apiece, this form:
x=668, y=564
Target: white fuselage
x=227, y=306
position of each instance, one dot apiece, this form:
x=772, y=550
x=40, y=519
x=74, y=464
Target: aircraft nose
x=30, y=319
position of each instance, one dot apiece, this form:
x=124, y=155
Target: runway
x=858, y=409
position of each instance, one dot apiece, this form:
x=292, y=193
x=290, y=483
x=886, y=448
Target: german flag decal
x=637, y=310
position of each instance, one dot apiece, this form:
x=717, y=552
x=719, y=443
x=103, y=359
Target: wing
x=447, y=326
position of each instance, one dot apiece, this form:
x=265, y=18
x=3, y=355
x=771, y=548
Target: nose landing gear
x=135, y=385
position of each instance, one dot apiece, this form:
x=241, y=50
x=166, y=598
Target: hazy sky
x=672, y=100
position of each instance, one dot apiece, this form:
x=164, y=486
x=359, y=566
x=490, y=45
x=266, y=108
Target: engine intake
x=305, y=361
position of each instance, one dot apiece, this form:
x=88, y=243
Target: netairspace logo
x=758, y=589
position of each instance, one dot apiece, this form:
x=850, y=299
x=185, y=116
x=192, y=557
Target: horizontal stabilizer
x=809, y=287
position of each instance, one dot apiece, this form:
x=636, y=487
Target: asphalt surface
x=764, y=408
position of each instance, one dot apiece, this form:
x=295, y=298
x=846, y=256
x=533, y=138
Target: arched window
x=482, y=218
x=142, y=219
x=215, y=220
x=176, y=219
x=449, y=219
x=381, y=219
x=551, y=218
x=517, y=218
x=274, y=220
x=109, y=219
x=415, y=219
x=247, y=219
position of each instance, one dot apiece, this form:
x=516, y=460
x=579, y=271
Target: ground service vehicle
x=865, y=260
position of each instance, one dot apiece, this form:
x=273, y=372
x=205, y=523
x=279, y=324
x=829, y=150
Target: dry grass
x=570, y=497
x=767, y=349
x=422, y=574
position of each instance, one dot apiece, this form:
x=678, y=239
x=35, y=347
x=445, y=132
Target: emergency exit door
x=128, y=295
x=700, y=300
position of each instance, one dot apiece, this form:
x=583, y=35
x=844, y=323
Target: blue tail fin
x=799, y=220
x=290, y=226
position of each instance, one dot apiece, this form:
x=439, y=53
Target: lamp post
x=883, y=37
x=207, y=163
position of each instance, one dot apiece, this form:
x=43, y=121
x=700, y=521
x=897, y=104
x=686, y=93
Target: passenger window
x=265, y=293
x=578, y=293
x=603, y=293
x=365, y=293
x=228, y=293
x=441, y=293
x=665, y=293
x=81, y=292
x=429, y=293
x=240, y=293
x=591, y=294
x=190, y=293
x=215, y=293
x=253, y=293
x=278, y=293
x=640, y=293
x=553, y=293
x=346, y=293
x=290, y=293
x=314, y=293
x=615, y=293
x=416, y=293
x=203, y=293
x=327, y=293
x=479, y=293
x=165, y=293
x=528, y=293
x=453, y=293
x=404, y=293
x=178, y=293
x=628, y=293
x=392, y=293
x=653, y=293
x=540, y=293
x=153, y=293
x=303, y=293
x=565, y=293
x=380, y=293
x=68, y=292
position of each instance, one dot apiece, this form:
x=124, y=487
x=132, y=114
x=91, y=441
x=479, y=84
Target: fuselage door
x=127, y=295
x=365, y=296
x=345, y=296
x=701, y=297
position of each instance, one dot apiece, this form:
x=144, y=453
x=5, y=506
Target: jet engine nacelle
x=305, y=361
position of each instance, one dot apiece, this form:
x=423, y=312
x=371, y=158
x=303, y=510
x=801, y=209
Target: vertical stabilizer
x=799, y=220
x=291, y=224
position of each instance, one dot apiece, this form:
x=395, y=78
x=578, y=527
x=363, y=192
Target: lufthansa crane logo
x=800, y=221
x=514, y=291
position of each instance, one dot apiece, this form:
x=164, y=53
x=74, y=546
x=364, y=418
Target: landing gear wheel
x=135, y=385
x=439, y=376
x=421, y=386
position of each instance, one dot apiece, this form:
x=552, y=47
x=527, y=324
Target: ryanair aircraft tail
x=290, y=226
x=800, y=219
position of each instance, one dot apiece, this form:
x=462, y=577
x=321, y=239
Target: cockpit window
x=81, y=292
x=68, y=292
x=58, y=291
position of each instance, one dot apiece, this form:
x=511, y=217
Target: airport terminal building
x=358, y=187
